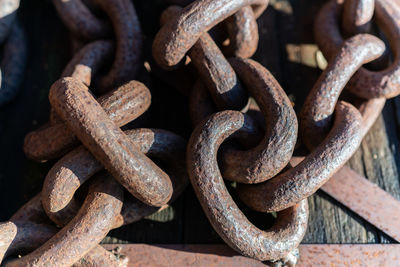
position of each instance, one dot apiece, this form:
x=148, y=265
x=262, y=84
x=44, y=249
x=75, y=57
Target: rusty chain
x=249, y=142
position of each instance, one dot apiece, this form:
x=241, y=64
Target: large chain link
x=246, y=129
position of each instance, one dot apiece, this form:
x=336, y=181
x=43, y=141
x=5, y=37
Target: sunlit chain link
x=242, y=30
x=330, y=146
x=75, y=168
x=178, y=35
x=99, y=211
x=206, y=178
x=106, y=141
x=357, y=16
x=14, y=55
x=126, y=27
x=32, y=224
x=29, y=228
x=122, y=105
x=214, y=70
x=365, y=83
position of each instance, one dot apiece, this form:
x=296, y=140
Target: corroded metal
x=84, y=232
x=126, y=26
x=29, y=228
x=355, y=255
x=128, y=33
x=260, y=163
x=75, y=168
x=318, y=108
x=366, y=199
x=357, y=16
x=308, y=176
x=223, y=214
x=178, y=35
x=213, y=68
x=123, y=105
x=365, y=83
x=81, y=21
x=85, y=64
x=91, y=124
x=243, y=35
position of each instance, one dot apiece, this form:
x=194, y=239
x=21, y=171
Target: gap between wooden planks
x=330, y=255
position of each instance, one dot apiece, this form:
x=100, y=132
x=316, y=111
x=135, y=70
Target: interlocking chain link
x=245, y=127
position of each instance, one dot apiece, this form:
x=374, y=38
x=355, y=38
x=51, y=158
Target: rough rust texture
x=333, y=255
x=84, y=232
x=242, y=29
x=81, y=21
x=89, y=60
x=13, y=62
x=123, y=105
x=128, y=33
x=29, y=228
x=169, y=49
x=85, y=64
x=86, y=118
x=100, y=257
x=366, y=199
x=75, y=168
x=365, y=83
x=261, y=163
x=8, y=12
x=213, y=68
x=317, y=111
x=226, y=218
x=300, y=182
x=357, y=16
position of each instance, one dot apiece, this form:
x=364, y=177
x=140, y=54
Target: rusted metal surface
x=85, y=64
x=365, y=83
x=357, y=16
x=84, y=232
x=358, y=255
x=29, y=228
x=123, y=105
x=242, y=29
x=128, y=33
x=13, y=62
x=223, y=214
x=81, y=21
x=89, y=60
x=8, y=12
x=260, y=163
x=303, y=180
x=350, y=255
x=169, y=49
x=213, y=68
x=86, y=118
x=366, y=199
x=317, y=110
x=75, y=168
x=98, y=256
x=125, y=24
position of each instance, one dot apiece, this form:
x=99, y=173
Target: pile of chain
x=246, y=129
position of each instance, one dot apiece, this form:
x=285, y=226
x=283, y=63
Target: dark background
x=286, y=48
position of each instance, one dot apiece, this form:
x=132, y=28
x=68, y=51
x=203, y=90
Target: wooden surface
x=286, y=48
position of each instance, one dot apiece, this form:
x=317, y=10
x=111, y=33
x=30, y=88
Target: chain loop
x=168, y=49
x=365, y=83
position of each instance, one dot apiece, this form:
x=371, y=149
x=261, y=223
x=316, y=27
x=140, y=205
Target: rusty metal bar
x=356, y=255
